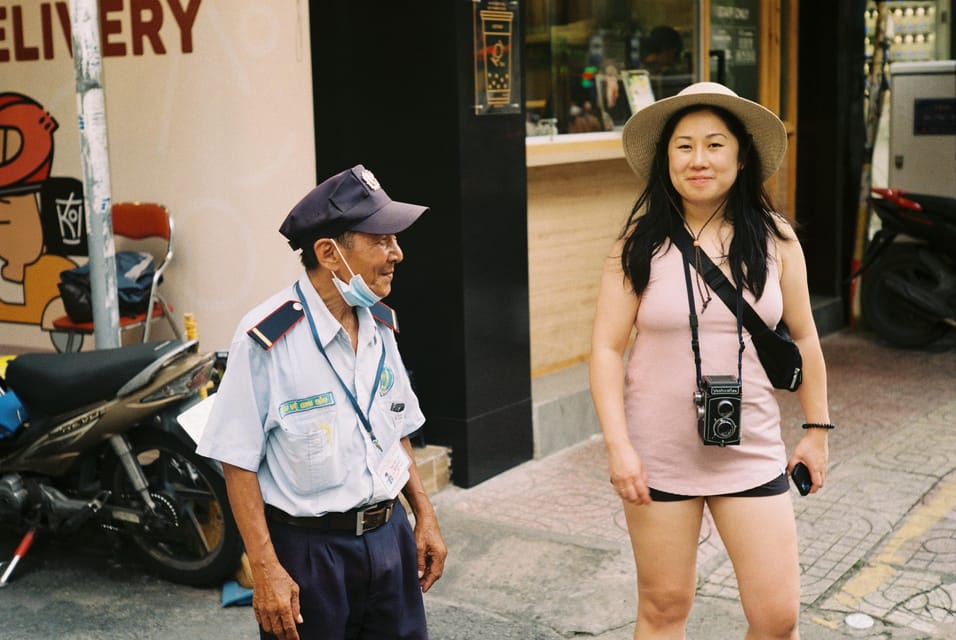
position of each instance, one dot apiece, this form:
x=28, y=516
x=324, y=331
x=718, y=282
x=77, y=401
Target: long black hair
x=659, y=212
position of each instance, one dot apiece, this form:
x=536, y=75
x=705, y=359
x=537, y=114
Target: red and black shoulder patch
x=385, y=314
x=278, y=323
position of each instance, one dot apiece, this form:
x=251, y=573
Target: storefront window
x=735, y=46
x=589, y=64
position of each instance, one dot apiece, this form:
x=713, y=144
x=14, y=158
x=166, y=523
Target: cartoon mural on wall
x=41, y=217
x=183, y=80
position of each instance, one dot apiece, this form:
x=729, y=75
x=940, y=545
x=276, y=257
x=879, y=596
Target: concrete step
x=434, y=467
x=828, y=314
x=562, y=413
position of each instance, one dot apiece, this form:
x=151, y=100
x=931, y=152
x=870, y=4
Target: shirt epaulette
x=276, y=324
x=385, y=314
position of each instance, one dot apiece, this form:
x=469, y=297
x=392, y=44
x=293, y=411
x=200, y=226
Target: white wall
x=222, y=135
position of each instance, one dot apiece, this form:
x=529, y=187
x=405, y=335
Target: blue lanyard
x=363, y=417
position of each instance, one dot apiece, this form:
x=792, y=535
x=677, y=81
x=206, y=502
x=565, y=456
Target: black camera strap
x=684, y=248
x=720, y=285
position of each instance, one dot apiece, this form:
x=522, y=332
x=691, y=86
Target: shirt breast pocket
x=306, y=445
x=395, y=413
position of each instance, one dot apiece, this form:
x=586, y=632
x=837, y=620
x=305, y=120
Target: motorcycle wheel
x=894, y=319
x=197, y=542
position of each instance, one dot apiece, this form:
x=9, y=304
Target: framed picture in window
x=612, y=99
x=639, y=92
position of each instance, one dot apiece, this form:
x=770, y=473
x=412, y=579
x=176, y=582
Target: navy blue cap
x=349, y=201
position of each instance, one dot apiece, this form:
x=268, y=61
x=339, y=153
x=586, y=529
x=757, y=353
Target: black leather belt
x=360, y=520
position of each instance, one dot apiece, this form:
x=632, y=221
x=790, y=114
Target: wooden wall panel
x=575, y=212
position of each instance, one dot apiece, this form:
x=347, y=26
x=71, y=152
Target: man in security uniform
x=311, y=424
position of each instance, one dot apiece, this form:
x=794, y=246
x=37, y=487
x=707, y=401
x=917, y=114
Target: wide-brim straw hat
x=643, y=129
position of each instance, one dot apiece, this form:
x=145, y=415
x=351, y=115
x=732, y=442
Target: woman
x=701, y=158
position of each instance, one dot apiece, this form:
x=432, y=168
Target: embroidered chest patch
x=386, y=381
x=306, y=404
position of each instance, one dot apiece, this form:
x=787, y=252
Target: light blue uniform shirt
x=283, y=413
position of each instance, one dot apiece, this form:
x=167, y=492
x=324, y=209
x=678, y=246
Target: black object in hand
x=801, y=478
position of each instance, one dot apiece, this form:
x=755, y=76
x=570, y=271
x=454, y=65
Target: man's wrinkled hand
x=275, y=600
x=431, y=551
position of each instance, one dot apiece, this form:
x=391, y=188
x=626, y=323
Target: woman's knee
x=661, y=607
x=779, y=620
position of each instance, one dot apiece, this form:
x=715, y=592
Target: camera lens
x=725, y=408
x=724, y=428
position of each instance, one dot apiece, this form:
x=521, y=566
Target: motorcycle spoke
x=201, y=518
x=197, y=530
x=196, y=494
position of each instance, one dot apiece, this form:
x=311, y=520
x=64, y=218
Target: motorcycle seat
x=52, y=383
x=942, y=206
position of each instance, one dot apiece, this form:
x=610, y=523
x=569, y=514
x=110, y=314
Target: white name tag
x=392, y=471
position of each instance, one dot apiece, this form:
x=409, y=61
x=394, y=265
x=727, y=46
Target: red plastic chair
x=137, y=226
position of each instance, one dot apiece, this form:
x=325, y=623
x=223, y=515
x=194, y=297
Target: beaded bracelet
x=816, y=425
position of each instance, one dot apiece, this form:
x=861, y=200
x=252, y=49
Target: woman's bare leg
x=761, y=537
x=664, y=537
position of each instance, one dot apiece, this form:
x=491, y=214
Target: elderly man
x=311, y=423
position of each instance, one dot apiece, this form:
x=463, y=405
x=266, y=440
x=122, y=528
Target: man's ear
x=326, y=255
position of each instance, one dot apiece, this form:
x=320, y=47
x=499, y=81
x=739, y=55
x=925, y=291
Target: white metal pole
x=94, y=152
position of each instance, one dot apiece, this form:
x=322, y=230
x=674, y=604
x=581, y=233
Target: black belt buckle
x=361, y=525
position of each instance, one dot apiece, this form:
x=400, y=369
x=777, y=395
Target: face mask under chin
x=356, y=293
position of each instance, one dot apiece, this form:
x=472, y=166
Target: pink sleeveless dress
x=660, y=381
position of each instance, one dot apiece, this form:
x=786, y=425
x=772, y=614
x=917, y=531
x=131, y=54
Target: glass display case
x=590, y=64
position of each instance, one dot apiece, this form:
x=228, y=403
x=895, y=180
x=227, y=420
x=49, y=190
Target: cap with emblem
x=352, y=200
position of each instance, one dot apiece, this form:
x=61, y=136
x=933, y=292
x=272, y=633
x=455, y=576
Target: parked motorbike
x=908, y=293
x=101, y=447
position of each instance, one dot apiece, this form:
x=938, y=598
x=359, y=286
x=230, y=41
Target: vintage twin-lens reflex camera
x=718, y=410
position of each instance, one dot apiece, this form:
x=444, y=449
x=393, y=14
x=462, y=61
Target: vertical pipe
x=877, y=86
x=94, y=152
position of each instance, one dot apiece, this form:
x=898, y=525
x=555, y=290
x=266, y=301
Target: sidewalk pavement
x=541, y=551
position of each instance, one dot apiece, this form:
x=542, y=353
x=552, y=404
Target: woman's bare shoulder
x=784, y=227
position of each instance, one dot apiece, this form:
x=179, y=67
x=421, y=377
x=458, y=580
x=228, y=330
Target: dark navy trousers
x=354, y=587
